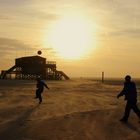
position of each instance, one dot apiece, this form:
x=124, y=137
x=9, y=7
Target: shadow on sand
x=16, y=129
x=131, y=126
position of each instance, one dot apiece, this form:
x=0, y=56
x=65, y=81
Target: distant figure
x=130, y=93
x=40, y=87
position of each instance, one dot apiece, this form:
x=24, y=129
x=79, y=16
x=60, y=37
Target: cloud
x=13, y=2
x=36, y=14
x=11, y=44
x=4, y=17
x=128, y=32
x=10, y=47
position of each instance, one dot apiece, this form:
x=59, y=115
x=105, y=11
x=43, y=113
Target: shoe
x=40, y=102
x=35, y=97
x=123, y=120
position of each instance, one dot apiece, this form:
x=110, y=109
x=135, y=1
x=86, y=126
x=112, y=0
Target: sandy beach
x=77, y=109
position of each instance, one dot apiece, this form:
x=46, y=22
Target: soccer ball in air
x=39, y=52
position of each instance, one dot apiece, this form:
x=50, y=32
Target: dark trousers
x=38, y=94
x=131, y=105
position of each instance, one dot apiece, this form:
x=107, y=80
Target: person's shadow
x=130, y=126
x=16, y=129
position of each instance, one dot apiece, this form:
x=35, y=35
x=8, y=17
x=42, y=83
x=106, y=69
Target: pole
x=103, y=77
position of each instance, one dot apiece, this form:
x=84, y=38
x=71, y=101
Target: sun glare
x=71, y=38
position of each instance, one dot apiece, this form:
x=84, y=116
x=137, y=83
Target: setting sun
x=71, y=37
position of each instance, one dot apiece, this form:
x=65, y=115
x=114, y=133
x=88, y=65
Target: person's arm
x=46, y=86
x=121, y=93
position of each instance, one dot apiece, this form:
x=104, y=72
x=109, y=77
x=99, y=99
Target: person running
x=40, y=87
x=130, y=93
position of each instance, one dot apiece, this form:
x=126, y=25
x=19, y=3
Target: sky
x=83, y=37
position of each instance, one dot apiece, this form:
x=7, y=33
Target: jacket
x=129, y=91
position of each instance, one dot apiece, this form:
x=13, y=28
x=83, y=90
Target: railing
x=50, y=62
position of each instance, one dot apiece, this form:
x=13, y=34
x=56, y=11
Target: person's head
x=38, y=79
x=127, y=78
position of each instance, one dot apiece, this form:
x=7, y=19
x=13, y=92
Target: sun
x=71, y=37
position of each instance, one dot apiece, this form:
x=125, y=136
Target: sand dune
x=71, y=110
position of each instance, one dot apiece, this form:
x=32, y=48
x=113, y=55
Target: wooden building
x=32, y=67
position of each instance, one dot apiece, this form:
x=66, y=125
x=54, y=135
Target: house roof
x=31, y=57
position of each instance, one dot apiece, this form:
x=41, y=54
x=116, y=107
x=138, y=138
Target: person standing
x=40, y=87
x=130, y=93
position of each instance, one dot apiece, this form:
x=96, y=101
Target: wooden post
x=103, y=77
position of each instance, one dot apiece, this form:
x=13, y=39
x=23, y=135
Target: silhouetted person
x=130, y=93
x=40, y=87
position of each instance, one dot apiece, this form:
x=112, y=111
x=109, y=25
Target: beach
x=76, y=109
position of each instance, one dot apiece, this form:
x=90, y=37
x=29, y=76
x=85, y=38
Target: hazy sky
x=112, y=33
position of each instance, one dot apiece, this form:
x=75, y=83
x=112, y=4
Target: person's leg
x=40, y=98
x=136, y=109
x=126, y=113
x=36, y=94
